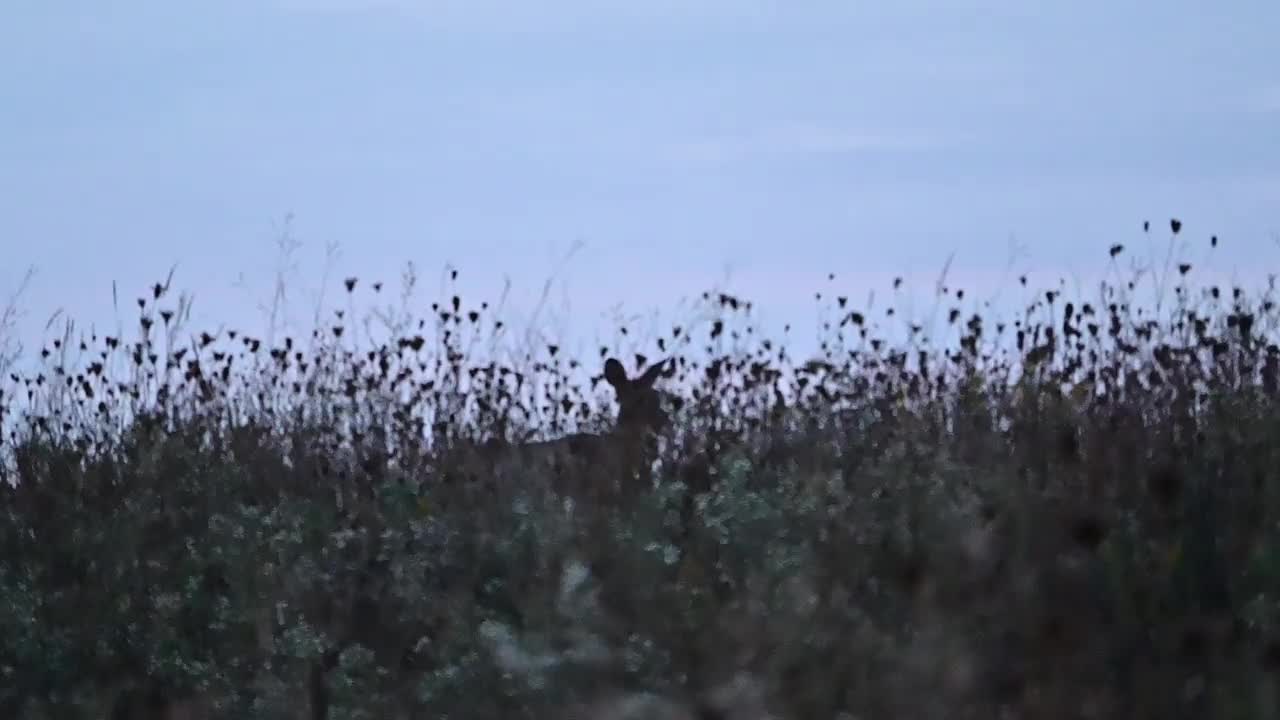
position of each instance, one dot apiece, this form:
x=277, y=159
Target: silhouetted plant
x=1069, y=513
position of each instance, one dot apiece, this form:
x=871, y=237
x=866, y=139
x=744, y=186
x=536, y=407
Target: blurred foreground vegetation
x=1068, y=514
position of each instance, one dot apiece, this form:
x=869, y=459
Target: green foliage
x=1081, y=526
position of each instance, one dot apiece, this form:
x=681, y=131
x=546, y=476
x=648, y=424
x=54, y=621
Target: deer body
x=597, y=466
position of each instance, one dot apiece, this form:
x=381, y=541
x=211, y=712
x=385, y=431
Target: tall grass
x=1068, y=514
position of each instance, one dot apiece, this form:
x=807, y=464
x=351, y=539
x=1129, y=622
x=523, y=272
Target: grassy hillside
x=1071, y=513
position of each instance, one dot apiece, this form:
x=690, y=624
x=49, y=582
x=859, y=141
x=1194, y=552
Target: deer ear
x=615, y=374
x=662, y=368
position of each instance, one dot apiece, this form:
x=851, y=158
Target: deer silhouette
x=593, y=466
x=600, y=466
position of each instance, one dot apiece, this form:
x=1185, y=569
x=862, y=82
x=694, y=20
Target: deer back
x=597, y=466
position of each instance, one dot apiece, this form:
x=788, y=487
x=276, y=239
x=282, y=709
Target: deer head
x=640, y=404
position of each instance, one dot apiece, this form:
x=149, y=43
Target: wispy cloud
x=806, y=140
x=1265, y=99
x=502, y=16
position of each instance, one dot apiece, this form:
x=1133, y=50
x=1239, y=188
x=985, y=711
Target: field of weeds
x=1067, y=514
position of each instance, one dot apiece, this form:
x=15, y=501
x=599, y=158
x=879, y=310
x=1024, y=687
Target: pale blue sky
x=682, y=142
